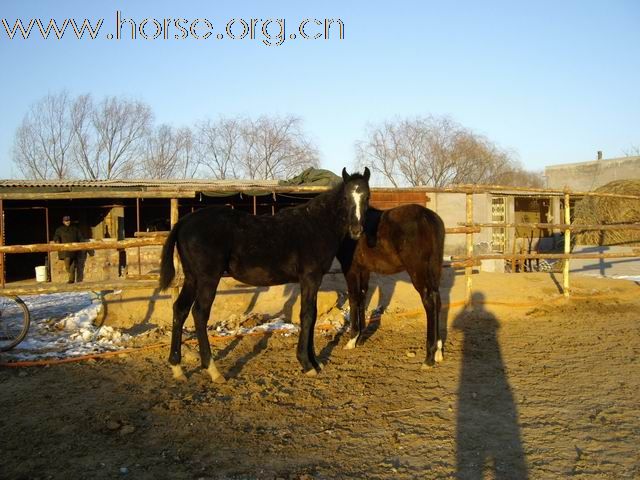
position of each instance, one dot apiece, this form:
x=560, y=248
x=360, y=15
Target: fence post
x=137, y=230
x=468, y=270
x=567, y=244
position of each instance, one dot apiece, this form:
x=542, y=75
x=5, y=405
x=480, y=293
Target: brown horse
x=406, y=238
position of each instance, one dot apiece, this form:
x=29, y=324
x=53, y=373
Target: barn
x=119, y=209
x=110, y=210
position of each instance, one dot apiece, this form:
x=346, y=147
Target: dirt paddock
x=532, y=386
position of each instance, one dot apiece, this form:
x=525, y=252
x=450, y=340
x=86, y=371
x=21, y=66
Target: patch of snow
x=62, y=325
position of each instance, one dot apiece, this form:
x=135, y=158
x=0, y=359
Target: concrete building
x=587, y=176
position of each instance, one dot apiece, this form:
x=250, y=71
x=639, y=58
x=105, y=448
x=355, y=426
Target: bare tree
x=521, y=178
x=86, y=148
x=43, y=141
x=190, y=162
x=167, y=153
x=115, y=139
x=633, y=151
x=275, y=147
x=433, y=151
x=219, y=146
x=380, y=152
x=62, y=137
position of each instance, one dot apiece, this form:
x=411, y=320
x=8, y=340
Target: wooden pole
x=92, y=286
x=137, y=230
x=561, y=226
x=76, y=246
x=555, y=256
x=450, y=230
x=567, y=245
x=46, y=220
x=469, y=270
x=174, y=212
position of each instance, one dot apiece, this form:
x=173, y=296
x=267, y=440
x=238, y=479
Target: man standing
x=67, y=233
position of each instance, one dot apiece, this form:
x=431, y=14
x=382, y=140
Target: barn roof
x=24, y=189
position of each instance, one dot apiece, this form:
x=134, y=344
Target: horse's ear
x=345, y=175
x=367, y=173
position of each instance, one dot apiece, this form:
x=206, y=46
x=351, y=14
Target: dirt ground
x=532, y=386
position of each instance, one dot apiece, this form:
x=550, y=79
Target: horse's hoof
x=311, y=373
x=439, y=357
x=215, y=375
x=351, y=344
x=178, y=374
x=428, y=365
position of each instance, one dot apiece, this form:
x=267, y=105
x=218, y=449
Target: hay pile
x=603, y=211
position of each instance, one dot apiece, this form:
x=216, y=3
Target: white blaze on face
x=356, y=198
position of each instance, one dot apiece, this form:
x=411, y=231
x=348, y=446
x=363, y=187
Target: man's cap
x=65, y=218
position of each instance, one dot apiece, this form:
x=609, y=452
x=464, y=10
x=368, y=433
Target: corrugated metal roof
x=138, y=188
x=200, y=184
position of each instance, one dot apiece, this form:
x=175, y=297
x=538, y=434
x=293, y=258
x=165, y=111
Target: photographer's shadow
x=488, y=435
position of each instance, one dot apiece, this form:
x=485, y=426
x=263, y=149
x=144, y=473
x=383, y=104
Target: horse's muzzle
x=355, y=232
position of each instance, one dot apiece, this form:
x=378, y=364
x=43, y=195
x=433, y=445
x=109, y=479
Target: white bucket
x=41, y=273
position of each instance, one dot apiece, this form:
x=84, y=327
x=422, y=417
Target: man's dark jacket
x=67, y=234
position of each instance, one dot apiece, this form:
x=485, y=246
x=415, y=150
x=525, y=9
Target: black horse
x=406, y=238
x=297, y=244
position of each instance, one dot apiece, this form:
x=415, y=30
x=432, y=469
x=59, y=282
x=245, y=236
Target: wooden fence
x=467, y=228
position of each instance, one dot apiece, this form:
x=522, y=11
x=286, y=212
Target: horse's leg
x=430, y=299
x=429, y=302
x=358, y=287
x=180, y=311
x=353, y=287
x=201, y=310
x=362, y=300
x=439, y=355
x=309, y=285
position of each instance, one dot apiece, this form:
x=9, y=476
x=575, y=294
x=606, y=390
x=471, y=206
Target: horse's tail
x=438, y=225
x=167, y=270
x=441, y=235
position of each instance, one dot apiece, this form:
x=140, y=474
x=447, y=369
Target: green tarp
x=316, y=177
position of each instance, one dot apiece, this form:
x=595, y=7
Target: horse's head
x=356, y=197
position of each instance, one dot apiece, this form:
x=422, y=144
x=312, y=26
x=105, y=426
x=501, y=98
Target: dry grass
x=603, y=211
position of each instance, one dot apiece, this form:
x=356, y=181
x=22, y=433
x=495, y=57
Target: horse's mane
x=328, y=197
x=331, y=196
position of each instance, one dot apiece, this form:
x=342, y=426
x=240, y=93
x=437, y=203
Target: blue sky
x=552, y=81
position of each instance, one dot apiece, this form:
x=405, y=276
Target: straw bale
x=605, y=211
